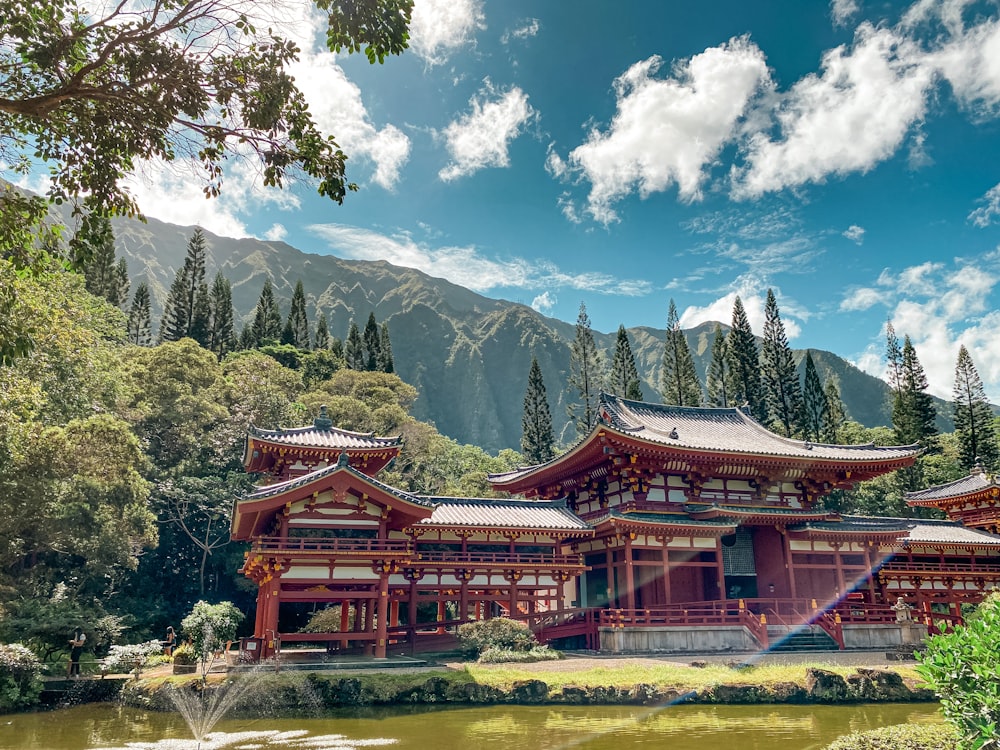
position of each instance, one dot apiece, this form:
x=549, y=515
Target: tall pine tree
x=266, y=328
x=781, y=380
x=322, y=340
x=385, y=363
x=679, y=380
x=835, y=415
x=140, y=329
x=298, y=322
x=893, y=358
x=186, y=311
x=222, y=323
x=913, y=415
x=99, y=269
x=354, y=349
x=584, y=375
x=623, y=379
x=744, y=365
x=717, y=379
x=120, y=284
x=372, y=341
x=814, y=406
x=537, y=439
x=977, y=438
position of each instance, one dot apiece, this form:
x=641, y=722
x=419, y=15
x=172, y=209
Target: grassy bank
x=558, y=682
x=681, y=677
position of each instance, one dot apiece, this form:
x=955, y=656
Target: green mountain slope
x=467, y=354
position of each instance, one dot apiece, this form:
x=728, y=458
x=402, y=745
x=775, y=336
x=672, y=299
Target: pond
x=683, y=727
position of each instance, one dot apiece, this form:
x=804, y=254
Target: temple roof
x=972, y=484
x=332, y=438
x=909, y=531
x=685, y=434
x=273, y=451
x=504, y=514
x=281, y=488
x=727, y=431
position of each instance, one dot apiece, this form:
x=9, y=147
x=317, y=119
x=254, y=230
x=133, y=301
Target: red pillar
x=382, y=616
x=629, y=576
x=345, y=621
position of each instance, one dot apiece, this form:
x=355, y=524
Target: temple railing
x=727, y=612
x=496, y=559
x=901, y=566
x=356, y=547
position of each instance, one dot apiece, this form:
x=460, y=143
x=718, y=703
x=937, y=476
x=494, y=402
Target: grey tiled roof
x=333, y=438
x=728, y=431
x=667, y=519
x=967, y=485
x=270, y=490
x=519, y=514
x=756, y=510
x=923, y=533
x=911, y=530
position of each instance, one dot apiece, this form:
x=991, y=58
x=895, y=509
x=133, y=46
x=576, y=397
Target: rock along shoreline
x=286, y=694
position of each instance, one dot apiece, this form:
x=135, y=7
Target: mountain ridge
x=468, y=355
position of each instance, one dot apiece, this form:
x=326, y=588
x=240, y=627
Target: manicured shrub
x=184, y=655
x=961, y=668
x=504, y=656
x=908, y=736
x=209, y=626
x=19, y=673
x=497, y=633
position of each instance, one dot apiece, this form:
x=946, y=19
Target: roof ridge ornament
x=323, y=422
x=343, y=461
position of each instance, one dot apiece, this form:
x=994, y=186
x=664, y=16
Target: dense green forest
x=119, y=463
x=120, y=459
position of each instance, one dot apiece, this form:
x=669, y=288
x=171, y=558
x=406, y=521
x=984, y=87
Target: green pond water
x=682, y=727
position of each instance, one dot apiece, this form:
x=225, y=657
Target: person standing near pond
x=168, y=642
x=75, y=651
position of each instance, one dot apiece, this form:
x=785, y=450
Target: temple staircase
x=806, y=638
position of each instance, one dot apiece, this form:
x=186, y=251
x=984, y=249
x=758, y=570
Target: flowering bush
x=125, y=658
x=19, y=672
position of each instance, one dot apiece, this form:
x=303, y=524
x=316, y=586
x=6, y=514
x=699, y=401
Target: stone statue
x=902, y=610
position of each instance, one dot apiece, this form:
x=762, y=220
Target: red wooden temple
x=664, y=529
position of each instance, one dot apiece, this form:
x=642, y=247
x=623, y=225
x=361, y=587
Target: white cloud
x=721, y=310
x=481, y=137
x=985, y=215
x=276, y=233
x=669, y=131
x=336, y=106
x=440, y=27
x=466, y=266
x=842, y=11
x=544, y=302
x=940, y=308
x=863, y=298
x=855, y=233
x=971, y=64
x=853, y=115
x=527, y=30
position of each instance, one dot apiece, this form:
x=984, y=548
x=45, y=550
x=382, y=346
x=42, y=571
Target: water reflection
x=679, y=727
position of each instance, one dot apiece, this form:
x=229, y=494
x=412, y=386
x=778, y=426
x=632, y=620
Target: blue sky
x=846, y=154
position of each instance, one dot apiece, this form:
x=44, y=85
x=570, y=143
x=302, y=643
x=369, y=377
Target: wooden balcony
x=326, y=548
x=439, y=560
x=902, y=568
